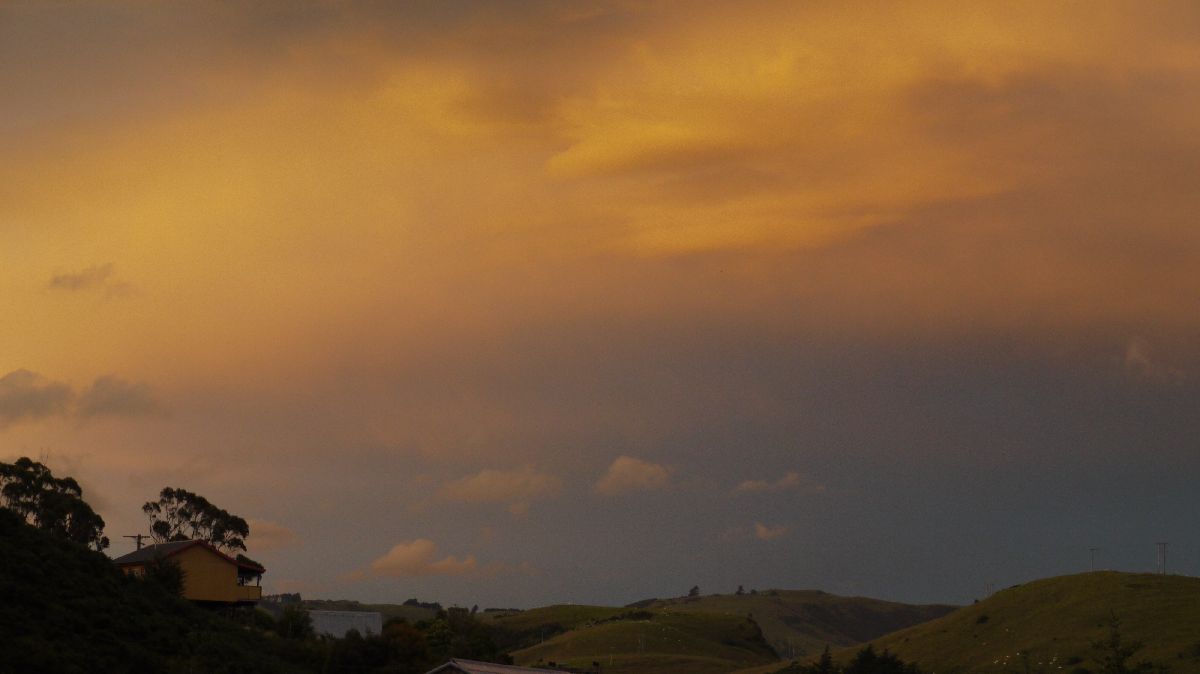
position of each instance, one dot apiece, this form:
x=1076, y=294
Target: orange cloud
x=765, y=533
x=266, y=536
x=790, y=480
x=627, y=474
x=419, y=558
x=517, y=488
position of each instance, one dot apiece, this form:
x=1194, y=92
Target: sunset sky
x=518, y=303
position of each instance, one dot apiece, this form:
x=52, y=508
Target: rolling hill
x=644, y=641
x=1055, y=621
x=798, y=623
x=701, y=635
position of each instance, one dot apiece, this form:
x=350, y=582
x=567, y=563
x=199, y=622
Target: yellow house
x=209, y=575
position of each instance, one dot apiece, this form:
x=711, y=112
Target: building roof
x=164, y=550
x=476, y=667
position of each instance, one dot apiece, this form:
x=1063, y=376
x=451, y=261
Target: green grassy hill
x=646, y=641
x=1056, y=620
x=799, y=623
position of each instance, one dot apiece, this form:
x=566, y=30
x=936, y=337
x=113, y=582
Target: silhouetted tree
x=695, y=591
x=180, y=515
x=167, y=573
x=1113, y=654
x=49, y=503
x=740, y=590
x=867, y=661
x=825, y=664
x=294, y=623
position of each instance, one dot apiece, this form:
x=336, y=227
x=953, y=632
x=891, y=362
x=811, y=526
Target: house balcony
x=248, y=593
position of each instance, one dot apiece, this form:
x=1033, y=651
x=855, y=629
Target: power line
x=138, y=538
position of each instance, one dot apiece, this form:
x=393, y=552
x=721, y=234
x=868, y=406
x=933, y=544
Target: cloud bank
x=28, y=396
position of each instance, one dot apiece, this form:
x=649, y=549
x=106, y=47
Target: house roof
x=164, y=550
x=476, y=667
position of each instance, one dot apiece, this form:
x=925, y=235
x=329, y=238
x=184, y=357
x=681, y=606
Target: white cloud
x=627, y=474
x=516, y=488
x=419, y=558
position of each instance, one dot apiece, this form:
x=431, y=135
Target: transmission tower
x=1162, y=558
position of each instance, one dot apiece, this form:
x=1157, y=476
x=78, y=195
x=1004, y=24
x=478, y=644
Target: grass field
x=1055, y=621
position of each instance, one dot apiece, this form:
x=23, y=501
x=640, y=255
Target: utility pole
x=1162, y=558
x=1093, y=551
x=138, y=538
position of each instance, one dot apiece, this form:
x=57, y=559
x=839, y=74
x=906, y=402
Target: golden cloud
x=266, y=536
x=767, y=533
x=419, y=558
x=790, y=480
x=628, y=474
x=517, y=488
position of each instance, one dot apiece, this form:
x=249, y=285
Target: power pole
x=1162, y=558
x=1093, y=551
x=138, y=538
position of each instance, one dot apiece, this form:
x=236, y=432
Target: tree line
x=56, y=505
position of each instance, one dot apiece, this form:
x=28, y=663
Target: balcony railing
x=249, y=593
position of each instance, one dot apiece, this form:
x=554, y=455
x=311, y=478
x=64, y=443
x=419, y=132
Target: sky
x=512, y=304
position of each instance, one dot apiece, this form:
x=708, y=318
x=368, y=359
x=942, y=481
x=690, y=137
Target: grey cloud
x=28, y=396
x=111, y=396
x=92, y=277
x=25, y=395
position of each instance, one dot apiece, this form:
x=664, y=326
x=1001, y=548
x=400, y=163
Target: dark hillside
x=64, y=608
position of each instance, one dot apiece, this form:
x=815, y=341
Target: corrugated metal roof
x=476, y=667
x=150, y=552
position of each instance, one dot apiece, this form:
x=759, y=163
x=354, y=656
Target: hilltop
x=1056, y=620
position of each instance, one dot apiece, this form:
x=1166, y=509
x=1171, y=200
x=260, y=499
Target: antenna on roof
x=138, y=538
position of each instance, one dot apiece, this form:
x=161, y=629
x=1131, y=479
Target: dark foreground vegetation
x=64, y=606
x=865, y=661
